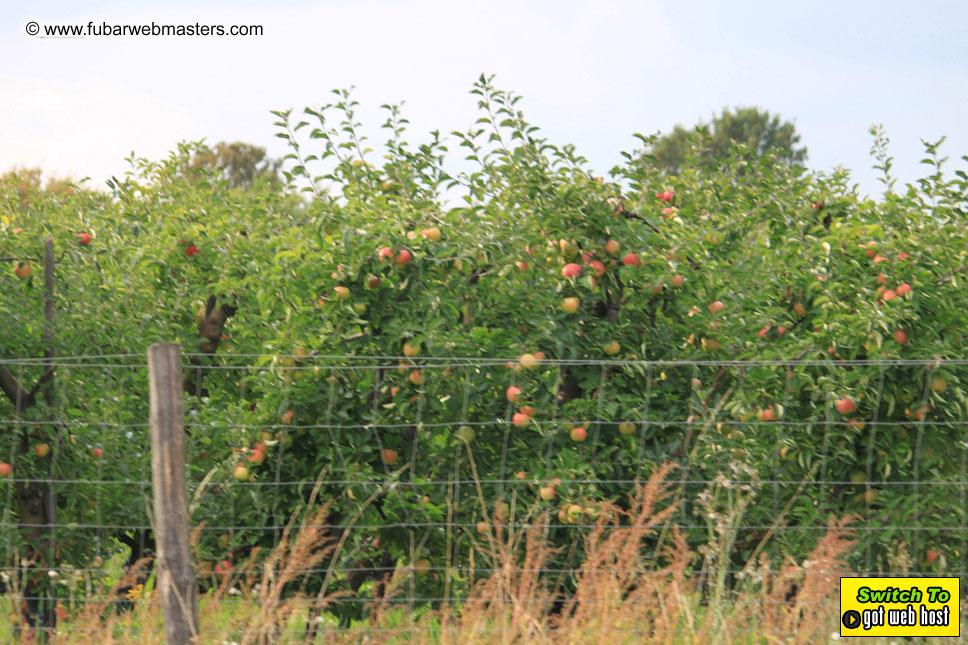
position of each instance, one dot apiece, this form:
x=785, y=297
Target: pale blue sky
x=591, y=73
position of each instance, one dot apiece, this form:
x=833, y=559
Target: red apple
x=716, y=307
x=521, y=266
x=846, y=406
x=403, y=257
x=630, y=260
x=598, y=267
x=389, y=457
x=931, y=555
x=416, y=377
x=900, y=336
x=676, y=280
x=256, y=456
x=287, y=416
x=384, y=254
x=903, y=289
x=881, y=278
x=612, y=247
x=761, y=333
x=96, y=453
x=41, y=450
x=666, y=195
x=5, y=469
x=520, y=420
x=799, y=309
x=571, y=270
x=223, y=567
x=528, y=410
x=513, y=393
x=432, y=233
x=547, y=492
x=578, y=434
x=889, y=295
x=84, y=239
x=22, y=270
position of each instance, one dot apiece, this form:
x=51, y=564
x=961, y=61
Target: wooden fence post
x=176, y=575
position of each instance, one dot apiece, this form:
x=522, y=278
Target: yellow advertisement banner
x=900, y=607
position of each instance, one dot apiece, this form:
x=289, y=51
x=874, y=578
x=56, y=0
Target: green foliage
x=317, y=300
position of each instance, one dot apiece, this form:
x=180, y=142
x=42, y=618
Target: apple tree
x=449, y=353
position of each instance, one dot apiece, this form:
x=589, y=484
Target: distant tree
x=29, y=183
x=241, y=164
x=757, y=129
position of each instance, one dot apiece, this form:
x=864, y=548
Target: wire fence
x=420, y=495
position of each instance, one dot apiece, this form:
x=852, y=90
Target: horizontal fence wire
x=444, y=521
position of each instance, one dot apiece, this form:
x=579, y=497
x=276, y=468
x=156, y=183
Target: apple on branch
x=571, y=270
x=520, y=419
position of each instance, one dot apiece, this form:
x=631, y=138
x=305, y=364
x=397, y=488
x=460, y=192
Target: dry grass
x=627, y=590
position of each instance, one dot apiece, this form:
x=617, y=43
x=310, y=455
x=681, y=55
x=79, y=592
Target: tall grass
x=639, y=582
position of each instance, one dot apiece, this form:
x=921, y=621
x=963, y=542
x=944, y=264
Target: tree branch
x=21, y=398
